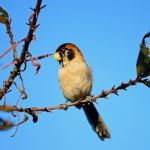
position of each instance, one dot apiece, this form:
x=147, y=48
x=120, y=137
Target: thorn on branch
x=28, y=24
x=104, y=94
x=113, y=88
x=43, y=7
x=33, y=9
x=116, y=93
x=37, y=26
x=46, y=109
x=124, y=86
x=33, y=27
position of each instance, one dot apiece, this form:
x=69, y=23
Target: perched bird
x=75, y=79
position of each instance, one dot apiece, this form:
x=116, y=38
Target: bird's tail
x=96, y=121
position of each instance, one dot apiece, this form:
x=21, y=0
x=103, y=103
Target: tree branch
x=103, y=94
x=21, y=59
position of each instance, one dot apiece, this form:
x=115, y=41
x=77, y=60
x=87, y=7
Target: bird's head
x=67, y=52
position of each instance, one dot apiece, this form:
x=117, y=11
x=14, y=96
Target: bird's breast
x=75, y=81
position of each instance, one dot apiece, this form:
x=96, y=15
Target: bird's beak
x=57, y=56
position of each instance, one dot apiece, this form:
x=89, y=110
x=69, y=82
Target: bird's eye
x=62, y=52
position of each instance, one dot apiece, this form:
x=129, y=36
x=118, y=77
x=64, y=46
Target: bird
x=75, y=80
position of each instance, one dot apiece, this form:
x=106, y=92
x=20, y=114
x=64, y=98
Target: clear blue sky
x=108, y=33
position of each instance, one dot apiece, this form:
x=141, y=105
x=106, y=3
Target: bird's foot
x=66, y=105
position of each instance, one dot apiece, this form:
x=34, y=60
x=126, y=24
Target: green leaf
x=3, y=16
x=143, y=61
x=3, y=12
x=147, y=83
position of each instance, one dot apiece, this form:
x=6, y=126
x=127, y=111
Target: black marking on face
x=69, y=54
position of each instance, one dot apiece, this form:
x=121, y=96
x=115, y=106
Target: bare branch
x=104, y=94
x=21, y=59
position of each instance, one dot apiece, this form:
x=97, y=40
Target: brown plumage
x=75, y=79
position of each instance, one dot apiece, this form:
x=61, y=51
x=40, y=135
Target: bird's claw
x=66, y=105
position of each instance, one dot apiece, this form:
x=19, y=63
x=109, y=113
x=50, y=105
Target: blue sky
x=108, y=33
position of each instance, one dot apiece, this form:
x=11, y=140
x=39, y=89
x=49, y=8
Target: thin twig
x=8, y=50
x=33, y=58
x=34, y=63
x=13, y=46
x=17, y=126
x=10, y=34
